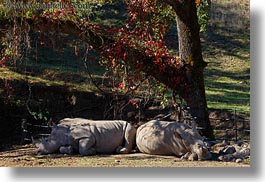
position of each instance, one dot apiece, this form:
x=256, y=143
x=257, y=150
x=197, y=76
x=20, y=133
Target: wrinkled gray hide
x=89, y=137
x=171, y=138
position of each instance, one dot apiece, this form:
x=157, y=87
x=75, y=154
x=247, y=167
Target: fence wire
x=239, y=128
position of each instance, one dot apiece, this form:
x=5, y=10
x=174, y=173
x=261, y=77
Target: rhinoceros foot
x=122, y=150
x=86, y=146
x=190, y=156
x=66, y=150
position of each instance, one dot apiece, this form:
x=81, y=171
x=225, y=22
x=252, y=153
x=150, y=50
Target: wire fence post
x=235, y=124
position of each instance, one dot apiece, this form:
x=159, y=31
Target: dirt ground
x=24, y=156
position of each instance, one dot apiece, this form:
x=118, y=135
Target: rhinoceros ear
x=54, y=128
x=193, y=124
x=44, y=140
x=194, y=129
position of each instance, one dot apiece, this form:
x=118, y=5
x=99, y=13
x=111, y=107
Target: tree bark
x=191, y=54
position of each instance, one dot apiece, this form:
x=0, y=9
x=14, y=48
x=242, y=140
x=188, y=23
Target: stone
x=229, y=150
x=220, y=150
x=239, y=160
x=221, y=158
x=227, y=158
x=243, y=153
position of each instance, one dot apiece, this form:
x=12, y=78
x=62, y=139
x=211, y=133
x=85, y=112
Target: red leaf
x=3, y=60
x=76, y=51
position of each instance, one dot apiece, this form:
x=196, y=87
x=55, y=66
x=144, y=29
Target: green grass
x=225, y=48
x=49, y=78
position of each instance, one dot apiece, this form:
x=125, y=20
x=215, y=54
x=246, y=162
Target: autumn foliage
x=141, y=46
x=134, y=52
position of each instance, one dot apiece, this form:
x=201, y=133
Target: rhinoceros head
x=46, y=146
x=196, y=143
x=200, y=148
x=59, y=137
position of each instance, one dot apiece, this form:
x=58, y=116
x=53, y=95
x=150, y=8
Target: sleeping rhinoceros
x=89, y=137
x=171, y=138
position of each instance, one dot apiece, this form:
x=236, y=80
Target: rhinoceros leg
x=129, y=135
x=66, y=150
x=86, y=146
x=186, y=156
x=190, y=156
x=193, y=157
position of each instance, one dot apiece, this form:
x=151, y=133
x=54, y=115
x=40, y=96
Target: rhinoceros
x=171, y=138
x=89, y=137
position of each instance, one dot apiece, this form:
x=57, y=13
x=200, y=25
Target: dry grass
x=25, y=157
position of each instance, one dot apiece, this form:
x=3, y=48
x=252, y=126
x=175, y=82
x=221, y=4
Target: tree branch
x=97, y=37
x=176, y=4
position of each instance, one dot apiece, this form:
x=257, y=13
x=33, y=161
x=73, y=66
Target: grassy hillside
x=225, y=48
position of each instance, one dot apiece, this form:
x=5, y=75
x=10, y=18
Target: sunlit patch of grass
x=225, y=79
x=45, y=79
x=230, y=106
x=6, y=73
x=226, y=50
x=228, y=92
x=227, y=84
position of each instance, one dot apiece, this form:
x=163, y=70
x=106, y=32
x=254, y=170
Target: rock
x=239, y=160
x=220, y=150
x=229, y=150
x=221, y=158
x=232, y=152
x=238, y=148
x=219, y=147
x=243, y=144
x=243, y=153
x=226, y=158
x=225, y=142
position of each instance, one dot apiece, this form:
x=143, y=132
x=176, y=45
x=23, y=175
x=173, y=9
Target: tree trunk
x=191, y=54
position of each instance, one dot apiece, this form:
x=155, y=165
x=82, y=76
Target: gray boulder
x=89, y=137
x=237, y=152
x=229, y=150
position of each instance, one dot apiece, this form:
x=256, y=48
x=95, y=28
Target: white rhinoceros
x=89, y=137
x=171, y=138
